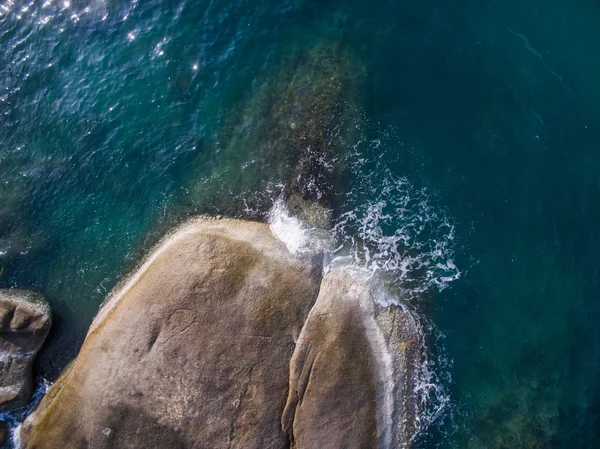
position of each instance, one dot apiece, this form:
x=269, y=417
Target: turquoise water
x=475, y=154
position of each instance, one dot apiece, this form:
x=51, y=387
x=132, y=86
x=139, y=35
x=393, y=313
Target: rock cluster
x=224, y=339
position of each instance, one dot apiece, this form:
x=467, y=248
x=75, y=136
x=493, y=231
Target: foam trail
x=533, y=51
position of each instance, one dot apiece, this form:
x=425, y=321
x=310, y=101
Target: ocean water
x=467, y=135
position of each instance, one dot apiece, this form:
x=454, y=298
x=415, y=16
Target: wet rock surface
x=25, y=321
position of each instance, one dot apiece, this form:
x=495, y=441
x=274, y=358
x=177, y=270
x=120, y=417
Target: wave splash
x=391, y=226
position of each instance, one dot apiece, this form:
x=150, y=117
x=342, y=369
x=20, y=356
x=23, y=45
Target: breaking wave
x=389, y=225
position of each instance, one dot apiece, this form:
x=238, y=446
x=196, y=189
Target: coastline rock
x=351, y=373
x=25, y=321
x=192, y=351
x=3, y=431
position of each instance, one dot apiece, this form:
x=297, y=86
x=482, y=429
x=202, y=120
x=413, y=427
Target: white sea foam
x=433, y=378
x=288, y=229
x=392, y=228
x=389, y=225
x=297, y=236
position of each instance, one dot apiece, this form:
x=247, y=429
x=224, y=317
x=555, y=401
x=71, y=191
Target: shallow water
x=471, y=173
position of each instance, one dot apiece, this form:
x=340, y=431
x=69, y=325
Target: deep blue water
x=479, y=119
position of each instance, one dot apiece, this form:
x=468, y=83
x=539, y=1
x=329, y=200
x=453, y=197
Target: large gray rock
x=191, y=352
x=217, y=342
x=352, y=374
x=25, y=321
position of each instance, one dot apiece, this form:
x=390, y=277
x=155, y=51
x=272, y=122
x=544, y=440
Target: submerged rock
x=288, y=137
x=217, y=342
x=351, y=367
x=309, y=211
x=25, y=320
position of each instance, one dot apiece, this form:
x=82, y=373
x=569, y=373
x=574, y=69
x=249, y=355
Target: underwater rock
x=192, y=351
x=25, y=321
x=349, y=371
x=309, y=211
x=307, y=121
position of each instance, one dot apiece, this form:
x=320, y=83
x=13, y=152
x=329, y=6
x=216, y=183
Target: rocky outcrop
x=288, y=135
x=217, y=342
x=25, y=321
x=190, y=352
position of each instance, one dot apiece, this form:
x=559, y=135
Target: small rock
x=25, y=321
x=311, y=212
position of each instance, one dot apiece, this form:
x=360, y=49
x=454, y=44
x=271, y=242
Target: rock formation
x=25, y=321
x=216, y=341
